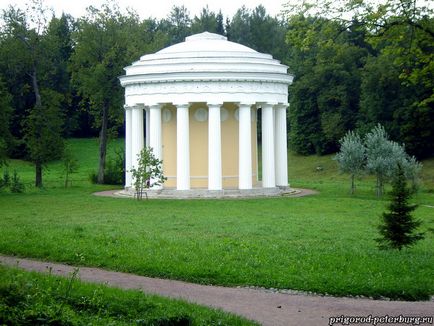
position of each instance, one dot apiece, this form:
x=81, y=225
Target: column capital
x=244, y=104
x=182, y=105
x=138, y=106
x=281, y=105
x=214, y=104
x=155, y=105
x=267, y=104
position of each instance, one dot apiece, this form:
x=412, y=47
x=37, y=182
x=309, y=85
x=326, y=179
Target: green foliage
x=352, y=156
x=43, y=136
x=6, y=180
x=324, y=96
x=42, y=132
x=377, y=155
x=383, y=156
x=5, y=118
x=262, y=241
x=206, y=22
x=107, y=40
x=398, y=228
x=38, y=299
x=115, y=169
x=390, y=81
x=16, y=185
x=148, y=173
x=70, y=165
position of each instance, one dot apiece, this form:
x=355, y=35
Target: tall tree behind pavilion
x=106, y=41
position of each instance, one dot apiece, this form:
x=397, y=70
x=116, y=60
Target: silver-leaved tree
x=375, y=154
x=352, y=157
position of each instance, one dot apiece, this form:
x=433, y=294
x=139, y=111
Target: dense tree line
x=352, y=73
x=58, y=75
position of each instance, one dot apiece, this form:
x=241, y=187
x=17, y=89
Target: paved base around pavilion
x=211, y=194
x=264, y=306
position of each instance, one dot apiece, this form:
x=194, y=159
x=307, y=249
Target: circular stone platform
x=212, y=194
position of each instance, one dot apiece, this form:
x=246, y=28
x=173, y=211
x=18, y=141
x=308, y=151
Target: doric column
x=136, y=133
x=268, y=174
x=128, y=146
x=147, y=119
x=280, y=145
x=182, y=148
x=155, y=135
x=214, y=148
x=245, y=147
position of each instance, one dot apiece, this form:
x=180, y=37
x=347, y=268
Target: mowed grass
x=323, y=243
x=37, y=299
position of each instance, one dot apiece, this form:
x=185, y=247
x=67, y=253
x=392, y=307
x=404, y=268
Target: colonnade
x=274, y=143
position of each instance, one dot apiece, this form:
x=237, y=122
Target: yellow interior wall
x=199, y=148
x=169, y=147
x=229, y=132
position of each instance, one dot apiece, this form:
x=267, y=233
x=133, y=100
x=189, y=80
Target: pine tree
x=398, y=225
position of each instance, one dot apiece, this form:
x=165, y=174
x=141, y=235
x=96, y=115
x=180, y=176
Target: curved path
x=265, y=307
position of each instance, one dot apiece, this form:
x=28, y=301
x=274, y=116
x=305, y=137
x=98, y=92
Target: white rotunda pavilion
x=199, y=100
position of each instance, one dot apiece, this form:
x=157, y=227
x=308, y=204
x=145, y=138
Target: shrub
x=114, y=173
x=16, y=185
x=6, y=180
x=115, y=169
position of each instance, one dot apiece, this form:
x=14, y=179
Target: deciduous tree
x=352, y=156
x=43, y=124
x=106, y=41
x=148, y=173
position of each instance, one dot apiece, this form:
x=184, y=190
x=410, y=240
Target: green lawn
x=322, y=243
x=36, y=299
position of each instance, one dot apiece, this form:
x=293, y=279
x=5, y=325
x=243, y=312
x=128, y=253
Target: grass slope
x=36, y=299
x=323, y=243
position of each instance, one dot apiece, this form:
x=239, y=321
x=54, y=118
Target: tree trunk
x=103, y=142
x=380, y=186
x=38, y=103
x=38, y=175
x=352, y=184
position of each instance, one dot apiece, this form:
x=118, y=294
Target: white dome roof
x=206, y=57
x=206, y=42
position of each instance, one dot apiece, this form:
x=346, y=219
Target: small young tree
x=352, y=156
x=70, y=164
x=16, y=185
x=6, y=180
x=149, y=172
x=398, y=225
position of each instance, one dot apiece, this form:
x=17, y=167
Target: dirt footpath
x=263, y=306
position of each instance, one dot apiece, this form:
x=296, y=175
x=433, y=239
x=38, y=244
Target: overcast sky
x=154, y=8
